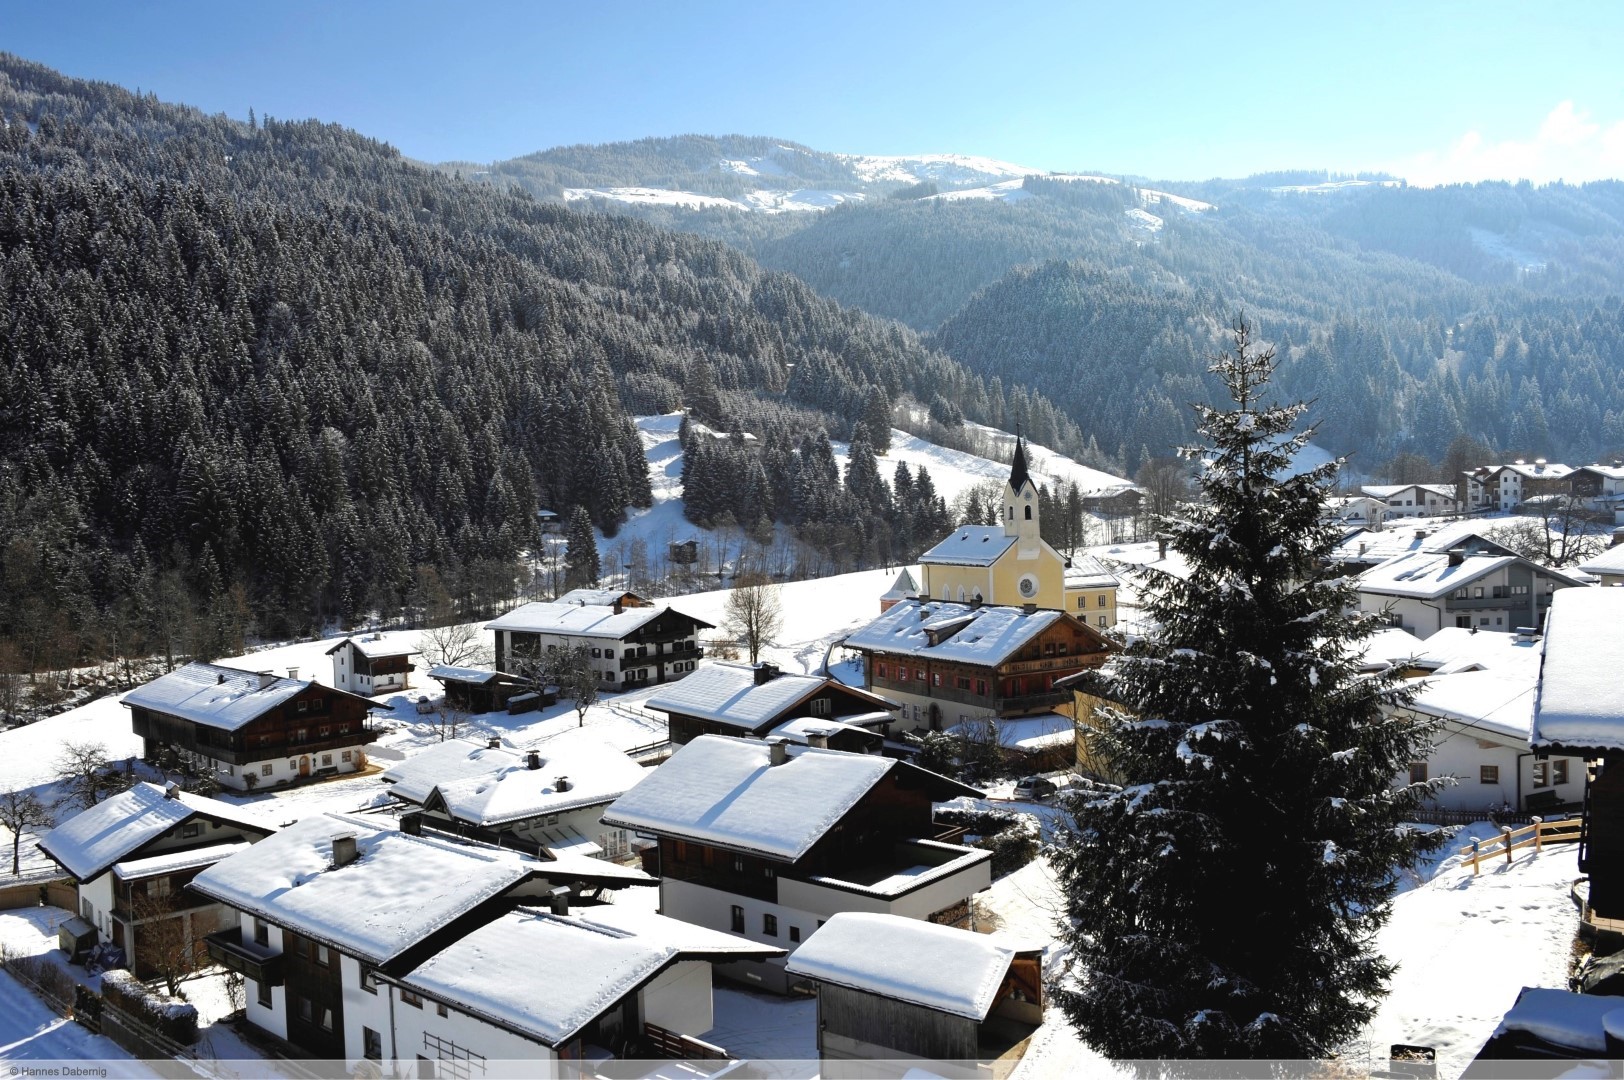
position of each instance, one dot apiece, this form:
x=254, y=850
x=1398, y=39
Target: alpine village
x=706, y=606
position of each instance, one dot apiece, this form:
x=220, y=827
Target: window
x=1460, y=593
x=961, y=682
x=902, y=674
x=738, y=868
x=1488, y=774
x=1519, y=590
x=306, y=1011
x=1542, y=774
x=738, y=919
x=1102, y=600
x=1418, y=772
x=769, y=925
x=1102, y=622
x=345, y=756
x=880, y=670
x=1082, y=601
x=795, y=933
x=320, y=955
x=326, y=760
x=262, y=993
x=187, y=831
x=369, y=979
x=371, y=1044
x=981, y=687
x=1559, y=771
x=919, y=673
x=768, y=872
x=596, y=653
x=303, y=706
x=409, y=998
x=327, y=1019
x=609, y=654
x=1484, y=621
x=440, y=1009
x=262, y=932
x=1478, y=592
x=292, y=765
x=267, y=769
x=936, y=678
x=822, y=706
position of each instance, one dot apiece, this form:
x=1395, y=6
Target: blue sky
x=1438, y=91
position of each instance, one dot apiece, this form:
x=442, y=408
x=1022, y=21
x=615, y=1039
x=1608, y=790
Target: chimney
x=1420, y=534
x=494, y=742
x=411, y=824
x=766, y=673
x=619, y=607
x=1161, y=547
x=344, y=850
x=1029, y=609
x=818, y=739
x=1362, y=547
x=777, y=750
x=266, y=680
x=532, y=760
x=1457, y=556
x=558, y=900
x=219, y=678
x=171, y=790
x=293, y=673
x=562, y=784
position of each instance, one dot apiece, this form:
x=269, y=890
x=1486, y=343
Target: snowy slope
x=800, y=200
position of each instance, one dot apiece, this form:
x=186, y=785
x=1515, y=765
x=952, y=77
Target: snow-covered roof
x=580, y=620
x=970, y=545
x=376, y=646
x=1536, y=470
x=950, y=631
x=1609, y=562
x=797, y=730
x=1414, y=535
x=1456, y=648
x=477, y=676
x=1390, y=645
x=596, y=597
x=729, y=694
x=904, y=588
x=490, y=787
x=170, y=862
x=215, y=695
x=1087, y=572
x=940, y=967
x=723, y=791
x=1493, y=701
x=121, y=825
x=398, y=890
x=1429, y=575
x=1581, y=699
x=1024, y=732
x=1387, y=491
x=1610, y=472
x=904, y=877
x=593, y=961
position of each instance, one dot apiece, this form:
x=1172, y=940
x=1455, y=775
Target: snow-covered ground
x=798, y=200
x=34, y=1037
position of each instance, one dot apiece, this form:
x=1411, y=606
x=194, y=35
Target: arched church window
x=961, y=594
x=1028, y=513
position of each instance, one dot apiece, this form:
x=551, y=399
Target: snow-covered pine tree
x=1222, y=903
x=581, y=550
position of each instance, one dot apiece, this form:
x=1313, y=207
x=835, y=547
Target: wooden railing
x=679, y=1047
x=1510, y=841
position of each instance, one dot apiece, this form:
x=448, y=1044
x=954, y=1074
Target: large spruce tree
x=1222, y=902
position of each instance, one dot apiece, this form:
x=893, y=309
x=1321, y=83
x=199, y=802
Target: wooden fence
x=1510, y=841
x=679, y=1047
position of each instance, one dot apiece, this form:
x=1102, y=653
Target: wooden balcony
x=227, y=948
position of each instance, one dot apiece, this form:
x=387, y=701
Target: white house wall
x=98, y=893
x=285, y=770
x=273, y=1018
x=1461, y=754
x=679, y=998
x=417, y=1029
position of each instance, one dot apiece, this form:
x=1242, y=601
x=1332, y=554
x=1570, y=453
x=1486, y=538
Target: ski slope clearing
x=801, y=200
x=944, y=168
x=1008, y=191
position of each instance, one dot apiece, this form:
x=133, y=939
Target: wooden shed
x=898, y=995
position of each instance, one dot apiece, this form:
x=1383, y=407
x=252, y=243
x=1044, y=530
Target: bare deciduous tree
x=571, y=671
x=1556, y=532
x=754, y=613
x=454, y=645
x=85, y=772
x=21, y=810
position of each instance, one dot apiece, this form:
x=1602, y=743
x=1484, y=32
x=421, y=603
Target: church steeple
x=1021, y=500
x=1018, y=476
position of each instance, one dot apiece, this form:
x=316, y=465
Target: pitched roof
x=1087, y=572
x=986, y=636
x=1609, y=562
x=723, y=791
x=970, y=545
x=1374, y=545
x=1580, y=705
x=375, y=646
x=489, y=787
x=1019, y=476
x=216, y=696
x=581, y=620
x=1428, y=575
x=903, y=588
x=121, y=825
x=399, y=889
x=729, y=694
x=940, y=967
x=596, y=597
x=548, y=976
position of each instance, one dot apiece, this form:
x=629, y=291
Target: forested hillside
x=272, y=375
x=1411, y=316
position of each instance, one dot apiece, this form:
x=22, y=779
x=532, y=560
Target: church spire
x=1018, y=476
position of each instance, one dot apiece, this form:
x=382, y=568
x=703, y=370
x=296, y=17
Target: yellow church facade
x=1012, y=564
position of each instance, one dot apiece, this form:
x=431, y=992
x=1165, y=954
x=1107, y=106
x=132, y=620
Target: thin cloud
x=1569, y=145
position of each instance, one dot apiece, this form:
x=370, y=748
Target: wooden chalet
x=372, y=664
x=629, y=647
x=252, y=729
x=741, y=699
x=951, y=663
x=764, y=840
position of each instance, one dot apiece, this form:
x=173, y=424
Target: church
x=1011, y=564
